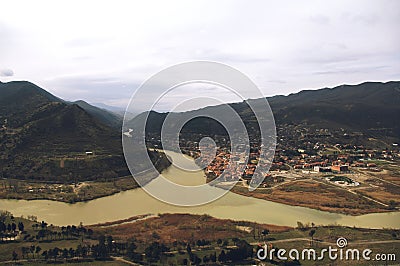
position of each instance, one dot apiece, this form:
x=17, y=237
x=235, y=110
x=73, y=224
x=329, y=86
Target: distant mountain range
x=372, y=108
x=44, y=137
x=119, y=111
x=107, y=117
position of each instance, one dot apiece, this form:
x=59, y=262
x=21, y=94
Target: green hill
x=43, y=137
x=372, y=108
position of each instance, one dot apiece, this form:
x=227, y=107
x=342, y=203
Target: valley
x=62, y=163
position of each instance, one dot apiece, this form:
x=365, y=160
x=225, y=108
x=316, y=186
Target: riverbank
x=233, y=206
x=377, y=192
x=68, y=193
x=315, y=195
x=84, y=191
x=313, y=191
x=182, y=236
x=304, y=194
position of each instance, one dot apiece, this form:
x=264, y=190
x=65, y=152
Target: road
x=121, y=259
x=375, y=177
x=352, y=191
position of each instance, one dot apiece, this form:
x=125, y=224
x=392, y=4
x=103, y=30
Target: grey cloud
x=6, y=72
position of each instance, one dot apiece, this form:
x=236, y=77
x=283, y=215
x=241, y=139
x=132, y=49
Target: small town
x=302, y=156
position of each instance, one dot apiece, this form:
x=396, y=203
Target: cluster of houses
x=234, y=167
x=231, y=166
x=298, y=149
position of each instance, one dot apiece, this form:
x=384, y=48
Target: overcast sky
x=102, y=51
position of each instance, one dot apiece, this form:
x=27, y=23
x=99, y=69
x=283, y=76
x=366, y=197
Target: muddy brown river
x=231, y=206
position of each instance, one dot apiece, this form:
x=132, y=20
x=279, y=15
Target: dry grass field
x=168, y=228
x=316, y=195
